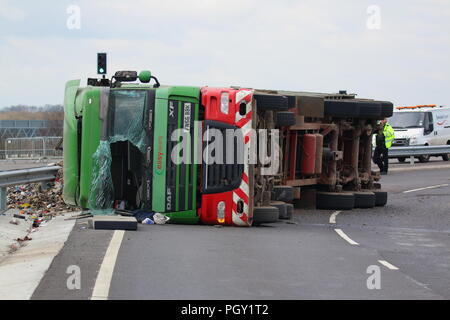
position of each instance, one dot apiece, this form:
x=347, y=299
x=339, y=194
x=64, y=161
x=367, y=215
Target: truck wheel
x=289, y=210
x=341, y=108
x=283, y=193
x=285, y=119
x=424, y=158
x=265, y=215
x=387, y=109
x=370, y=110
x=446, y=157
x=271, y=102
x=282, y=210
x=381, y=198
x=364, y=199
x=335, y=201
x=402, y=159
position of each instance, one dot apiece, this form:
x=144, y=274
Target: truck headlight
x=224, y=102
x=221, y=212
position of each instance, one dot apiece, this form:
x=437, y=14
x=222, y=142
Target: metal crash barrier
x=24, y=176
x=414, y=151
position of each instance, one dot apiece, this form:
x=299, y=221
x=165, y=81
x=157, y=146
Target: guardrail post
x=411, y=161
x=2, y=200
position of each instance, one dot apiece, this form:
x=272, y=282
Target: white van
x=424, y=125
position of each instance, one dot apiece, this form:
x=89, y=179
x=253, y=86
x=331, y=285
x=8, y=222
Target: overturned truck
x=231, y=156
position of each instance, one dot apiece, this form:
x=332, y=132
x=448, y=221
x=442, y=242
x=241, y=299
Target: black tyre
x=446, y=157
x=381, y=198
x=289, y=210
x=364, y=199
x=283, y=193
x=335, y=201
x=292, y=101
x=341, y=108
x=424, y=158
x=370, y=110
x=284, y=119
x=265, y=215
x=402, y=159
x=282, y=209
x=271, y=102
x=387, y=109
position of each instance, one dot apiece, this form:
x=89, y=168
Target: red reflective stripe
x=244, y=121
x=245, y=177
x=241, y=195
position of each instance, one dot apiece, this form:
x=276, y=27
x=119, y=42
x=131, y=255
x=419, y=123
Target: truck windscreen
x=407, y=120
x=128, y=107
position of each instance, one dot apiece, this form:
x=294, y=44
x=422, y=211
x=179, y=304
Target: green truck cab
x=115, y=146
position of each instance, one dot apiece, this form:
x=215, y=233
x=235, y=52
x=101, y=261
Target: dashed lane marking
x=346, y=238
x=425, y=188
x=388, y=265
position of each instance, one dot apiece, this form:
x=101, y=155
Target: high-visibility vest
x=389, y=135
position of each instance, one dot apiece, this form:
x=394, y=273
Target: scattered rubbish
x=80, y=216
x=40, y=199
x=14, y=221
x=19, y=216
x=26, y=238
x=150, y=217
x=160, y=218
x=37, y=223
x=141, y=215
x=148, y=221
x=13, y=247
x=125, y=213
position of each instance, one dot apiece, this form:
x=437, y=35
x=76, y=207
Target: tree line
x=24, y=112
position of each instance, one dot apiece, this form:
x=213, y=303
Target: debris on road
x=40, y=199
x=14, y=221
x=26, y=238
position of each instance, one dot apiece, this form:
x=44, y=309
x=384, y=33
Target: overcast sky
x=397, y=50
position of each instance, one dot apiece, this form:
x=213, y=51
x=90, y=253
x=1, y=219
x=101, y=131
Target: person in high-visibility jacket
x=385, y=137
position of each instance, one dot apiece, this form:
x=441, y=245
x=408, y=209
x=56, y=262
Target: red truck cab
x=227, y=108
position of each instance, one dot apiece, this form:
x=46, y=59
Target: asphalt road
x=306, y=259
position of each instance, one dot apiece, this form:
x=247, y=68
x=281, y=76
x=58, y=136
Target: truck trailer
x=222, y=156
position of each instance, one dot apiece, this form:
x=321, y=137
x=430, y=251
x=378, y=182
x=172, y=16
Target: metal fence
x=411, y=151
x=31, y=148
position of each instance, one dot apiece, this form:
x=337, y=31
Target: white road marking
x=103, y=281
x=388, y=265
x=346, y=238
x=431, y=187
x=333, y=216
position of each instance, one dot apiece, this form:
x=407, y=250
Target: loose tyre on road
x=335, y=201
x=265, y=215
x=364, y=199
x=282, y=209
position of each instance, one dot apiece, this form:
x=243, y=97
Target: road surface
x=319, y=255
